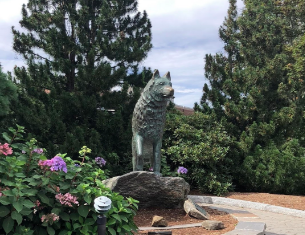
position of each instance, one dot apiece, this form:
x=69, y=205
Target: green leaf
x=8, y=224
x=112, y=231
x=8, y=183
x=36, y=176
x=18, y=145
x=16, y=216
x=43, y=157
x=80, y=219
x=50, y=230
x=26, y=211
x=74, y=216
x=29, y=192
x=8, y=193
x=27, y=203
x=64, y=185
x=5, y=200
x=126, y=227
x=83, y=210
x=45, y=181
x=68, y=225
x=90, y=221
x=18, y=206
x=111, y=221
x=63, y=232
x=124, y=218
x=88, y=199
x=56, y=211
x=4, y=211
x=117, y=217
x=64, y=216
x=76, y=225
x=6, y=137
x=20, y=175
x=44, y=198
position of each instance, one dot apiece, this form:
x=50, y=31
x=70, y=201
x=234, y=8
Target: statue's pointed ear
x=168, y=76
x=156, y=74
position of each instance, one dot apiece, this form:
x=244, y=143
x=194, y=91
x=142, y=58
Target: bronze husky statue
x=148, y=122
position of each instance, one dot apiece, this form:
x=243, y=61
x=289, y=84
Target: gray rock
x=151, y=190
x=212, y=225
x=159, y=221
x=194, y=210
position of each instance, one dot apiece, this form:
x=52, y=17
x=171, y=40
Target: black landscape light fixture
x=102, y=205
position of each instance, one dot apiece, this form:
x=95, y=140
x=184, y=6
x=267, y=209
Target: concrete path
x=280, y=222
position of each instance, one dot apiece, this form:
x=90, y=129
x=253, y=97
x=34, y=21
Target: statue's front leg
x=157, y=156
x=137, y=158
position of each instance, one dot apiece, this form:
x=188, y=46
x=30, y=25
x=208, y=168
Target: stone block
x=151, y=190
x=212, y=225
x=194, y=210
x=159, y=221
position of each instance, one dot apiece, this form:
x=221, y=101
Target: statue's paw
x=157, y=173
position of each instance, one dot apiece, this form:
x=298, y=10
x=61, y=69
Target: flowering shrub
x=100, y=161
x=54, y=196
x=182, y=170
x=5, y=149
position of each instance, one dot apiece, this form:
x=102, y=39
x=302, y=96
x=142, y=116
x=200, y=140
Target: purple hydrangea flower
x=151, y=169
x=182, y=170
x=100, y=161
x=77, y=165
x=58, y=164
x=38, y=150
x=23, y=151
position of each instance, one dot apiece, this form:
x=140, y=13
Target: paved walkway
x=279, y=224
x=276, y=223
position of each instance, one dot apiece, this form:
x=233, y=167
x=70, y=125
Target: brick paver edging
x=247, y=204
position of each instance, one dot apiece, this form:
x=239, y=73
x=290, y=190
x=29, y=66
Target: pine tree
x=76, y=51
x=251, y=92
x=8, y=93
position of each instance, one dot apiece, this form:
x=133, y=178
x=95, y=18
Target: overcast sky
x=183, y=32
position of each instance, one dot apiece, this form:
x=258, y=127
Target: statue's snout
x=168, y=91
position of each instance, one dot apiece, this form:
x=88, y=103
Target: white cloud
x=11, y=9
x=183, y=32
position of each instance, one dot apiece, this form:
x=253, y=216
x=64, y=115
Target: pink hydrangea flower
x=38, y=150
x=50, y=218
x=67, y=199
x=55, y=164
x=5, y=149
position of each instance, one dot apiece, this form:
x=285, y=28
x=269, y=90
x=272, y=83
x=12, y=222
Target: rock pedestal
x=151, y=190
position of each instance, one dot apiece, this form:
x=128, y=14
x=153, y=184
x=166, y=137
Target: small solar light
x=102, y=205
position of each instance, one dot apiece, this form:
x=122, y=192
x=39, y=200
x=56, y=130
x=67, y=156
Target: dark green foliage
x=31, y=191
x=256, y=90
x=76, y=51
x=8, y=92
x=201, y=145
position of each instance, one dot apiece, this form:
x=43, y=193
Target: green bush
x=41, y=196
x=276, y=170
x=201, y=145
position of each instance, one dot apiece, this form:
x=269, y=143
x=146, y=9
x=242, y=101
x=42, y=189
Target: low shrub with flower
x=54, y=196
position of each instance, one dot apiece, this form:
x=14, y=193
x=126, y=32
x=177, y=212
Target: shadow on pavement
x=271, y=233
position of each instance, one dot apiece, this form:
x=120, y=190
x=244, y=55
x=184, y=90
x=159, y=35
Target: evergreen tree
x=8, y=93
x=76, y=51
x=251, y=91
